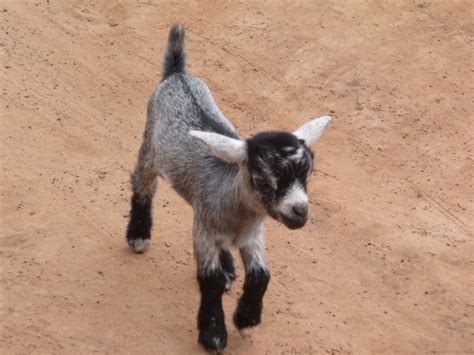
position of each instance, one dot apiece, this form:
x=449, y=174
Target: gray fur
x=228, y=209
x=220, y=192
x=231, y=184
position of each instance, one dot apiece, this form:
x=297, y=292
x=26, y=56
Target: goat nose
x=300, y=210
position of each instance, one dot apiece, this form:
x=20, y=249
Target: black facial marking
x=277, y=158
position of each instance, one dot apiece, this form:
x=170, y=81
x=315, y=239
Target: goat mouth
x=292, y=223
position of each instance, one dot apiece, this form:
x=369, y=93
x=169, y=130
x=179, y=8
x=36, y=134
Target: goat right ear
x=229, y=149
x=311, y=131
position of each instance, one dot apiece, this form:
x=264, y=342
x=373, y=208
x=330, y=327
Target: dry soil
x=385, y=264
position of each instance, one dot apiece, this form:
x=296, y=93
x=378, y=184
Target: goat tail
x=175, y=55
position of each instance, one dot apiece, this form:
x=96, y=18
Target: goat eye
x=261, y=183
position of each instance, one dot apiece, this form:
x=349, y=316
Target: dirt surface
x=384, y=265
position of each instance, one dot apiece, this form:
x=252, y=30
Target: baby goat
x=231, y=183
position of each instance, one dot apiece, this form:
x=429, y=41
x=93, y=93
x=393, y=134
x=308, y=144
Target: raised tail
x=175, y=55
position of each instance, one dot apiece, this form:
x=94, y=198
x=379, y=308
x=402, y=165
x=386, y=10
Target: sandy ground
x=385, y=264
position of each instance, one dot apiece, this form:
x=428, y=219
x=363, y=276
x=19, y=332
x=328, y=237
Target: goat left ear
x=229, y=149
x=311, y=131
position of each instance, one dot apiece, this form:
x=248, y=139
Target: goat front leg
x=249, y=309
x=212, y=284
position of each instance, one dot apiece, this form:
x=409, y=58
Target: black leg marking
x=211, y=323
x=227, y=262
x=249, y=309
x=139, y=226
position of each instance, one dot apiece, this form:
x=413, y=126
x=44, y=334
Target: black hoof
x=211, y=320
x=213, y=339
x=248, y=314
x=249, y=309
x=139, y=225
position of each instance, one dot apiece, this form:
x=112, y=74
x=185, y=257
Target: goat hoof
x=247, y=315
x=214, y=340
x=247, y=332
x=229, y=280
x=139, y=245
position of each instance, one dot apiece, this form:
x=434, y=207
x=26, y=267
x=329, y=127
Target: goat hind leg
x=227, y=262
x=144, y=186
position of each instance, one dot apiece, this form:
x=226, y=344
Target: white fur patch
x=228, y=281
x=228, y=149
x=247, y=332
x=297, y=155
x=217, y=342
x=139, y=245
x=296, y=195
x=228, y=285
x=312, y=130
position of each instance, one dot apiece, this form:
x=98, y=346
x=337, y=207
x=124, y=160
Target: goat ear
x=226, y=148
x=311, y=131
